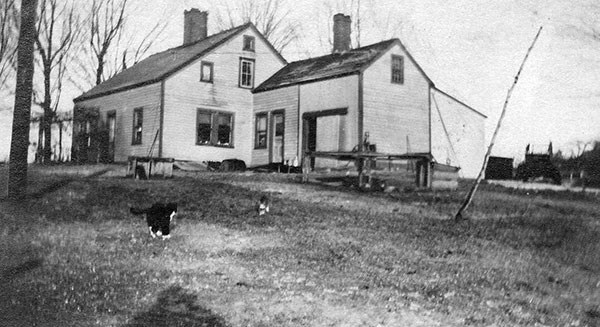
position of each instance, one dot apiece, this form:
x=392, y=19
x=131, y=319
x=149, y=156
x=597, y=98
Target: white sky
x=470, y=48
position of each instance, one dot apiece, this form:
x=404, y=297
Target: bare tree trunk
x=17, y=169
x=46, y=122
x=458, y=217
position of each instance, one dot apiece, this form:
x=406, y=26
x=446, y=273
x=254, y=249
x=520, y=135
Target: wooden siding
x=332, y=94
x=462, y=142
x=393, y=112
x=285, y=99
x=185, y=93
x=123, y=103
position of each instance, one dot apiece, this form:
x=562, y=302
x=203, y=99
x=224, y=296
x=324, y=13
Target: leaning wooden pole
x=469, y=198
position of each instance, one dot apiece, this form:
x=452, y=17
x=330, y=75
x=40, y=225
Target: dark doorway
x=310, y=137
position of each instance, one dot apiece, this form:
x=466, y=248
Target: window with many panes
x=206, y=71
x=138, y=119
x=260, y=138
x=397, y=69
x=246, y=72
x=214, y=128
x=248, y=43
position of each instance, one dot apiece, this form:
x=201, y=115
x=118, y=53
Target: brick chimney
x=341, y=33
x=194, y=25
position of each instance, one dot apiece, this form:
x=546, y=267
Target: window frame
x=397, y=73
x=214, y=127
x=249, y=43
x=258, y=116
x=212, y=71
x=241, y=65
x=137, y=136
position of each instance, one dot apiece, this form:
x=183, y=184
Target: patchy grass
x=72, y=255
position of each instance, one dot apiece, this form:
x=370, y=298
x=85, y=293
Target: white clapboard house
x=231, y=95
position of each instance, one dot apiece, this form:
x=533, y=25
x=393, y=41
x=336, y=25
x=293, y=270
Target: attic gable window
x=206, y=72
x=214, y=128
x=397, y=69
x=246, y=73
x=138, y=119
x=248, y=43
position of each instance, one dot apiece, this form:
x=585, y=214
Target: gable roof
x=332, y=66
x=161, y=65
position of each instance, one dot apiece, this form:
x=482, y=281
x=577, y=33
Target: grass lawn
x=73, y=255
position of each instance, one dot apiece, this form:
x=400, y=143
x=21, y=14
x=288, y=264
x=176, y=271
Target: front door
x=111, y=122
x=277, y=132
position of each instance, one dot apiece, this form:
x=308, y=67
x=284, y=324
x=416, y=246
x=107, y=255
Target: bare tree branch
x=271, y=18
x=8, y=39
x=109, y=40
x=58, y=30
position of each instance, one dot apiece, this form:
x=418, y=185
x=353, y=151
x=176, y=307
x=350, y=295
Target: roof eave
x=176, y=69
x=346, y=74
x=121, y=89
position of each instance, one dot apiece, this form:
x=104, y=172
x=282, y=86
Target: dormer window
x=397, y=69
x=248, y=43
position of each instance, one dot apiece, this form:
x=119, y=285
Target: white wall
x=462, y=143
x=285, y=99
x=185, y=93
x=333, y=94
x=147, y=97
x=393, y=112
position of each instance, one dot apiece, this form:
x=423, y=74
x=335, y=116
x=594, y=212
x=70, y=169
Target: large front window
x=246, y=72
x=214, y=128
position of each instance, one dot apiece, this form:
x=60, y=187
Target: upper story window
x=206, y=71
x=214, y=128
x=397, y=69
x=246, y=72
x=138, y=119
x=249, y=42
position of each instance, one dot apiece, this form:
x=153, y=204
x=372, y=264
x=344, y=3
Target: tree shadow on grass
x=176, y=306
x=8, y=274
x=62, y=183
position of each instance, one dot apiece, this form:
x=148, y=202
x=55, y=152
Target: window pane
x=206, y=74
x=261, y=131
x=204, y=127
x=261, y=124
x=248, y=43
x=279, y=125
x=204, y=118
x=261, y=139
x=137, y=125
x=397, y=69
x=246, y=72
x=224, y=129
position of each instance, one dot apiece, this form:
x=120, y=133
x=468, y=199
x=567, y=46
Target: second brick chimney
x=341, y=33
x=195, y=24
